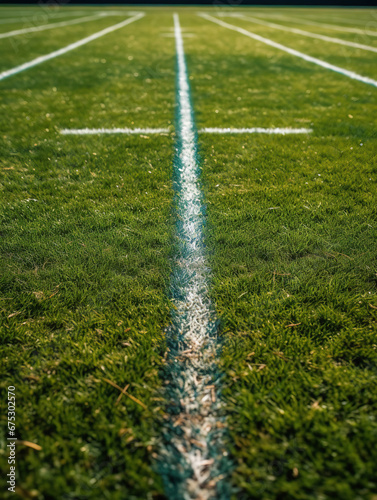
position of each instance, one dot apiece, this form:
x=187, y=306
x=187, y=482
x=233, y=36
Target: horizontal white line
x=66, y=49
x=171, y=35
x=52, y=26
x=128, y=131
x=256, y=130
x=147, y=131
x=308, y=33
x=293, y=52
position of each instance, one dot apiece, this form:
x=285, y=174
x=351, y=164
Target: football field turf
x=92, y=123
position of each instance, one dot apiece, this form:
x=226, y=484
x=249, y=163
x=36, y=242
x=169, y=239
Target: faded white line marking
x=308, y=33
x=301, y=55
x=52, y=26
x=39, y=17
x=64, y=50
x=335, y=27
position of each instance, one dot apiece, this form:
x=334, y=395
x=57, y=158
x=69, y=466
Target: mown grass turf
x=83, y=280
x=86, y=239
x=86, y=230
x=292, y=227
x=295, y=286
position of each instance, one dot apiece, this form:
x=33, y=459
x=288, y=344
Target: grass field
x=87, y=248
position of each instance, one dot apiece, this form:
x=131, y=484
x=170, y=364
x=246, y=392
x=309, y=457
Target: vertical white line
x=193, y=458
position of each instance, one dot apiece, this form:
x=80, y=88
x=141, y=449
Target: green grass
x=291, y=238
x=301, y=398
x=85, y=268
x=292, y=231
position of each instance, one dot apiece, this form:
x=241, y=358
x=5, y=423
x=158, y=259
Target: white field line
x=64, y=50
x=299, y=20
x=308, y=33
x=335, y=27
x=256, y=130
x=127, y=131
x=39, y=18
x=347, y=20
x=52, y=26
x=192, y=455
x=184, y=35
x=209, y=130
x=334, y=19
x=301, y=55
x=38, y=9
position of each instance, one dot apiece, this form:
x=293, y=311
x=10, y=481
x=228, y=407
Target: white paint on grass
x=39, y=17
x=334, y=27
x=127, y=131
x=184, y=35
x=359, y=22
x=256, y=130
x=192, y=454
x=64, y=50
x=208, y=130
x=308, y=33
x=52, y=26
x=301, y=55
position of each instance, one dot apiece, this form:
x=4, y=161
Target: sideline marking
x=267, y=41
x=307, y=33
x=72, y=46
x=52, y=25
x=192, y=460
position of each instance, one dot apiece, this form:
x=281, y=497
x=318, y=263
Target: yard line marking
x=308, y=33
x=208, y=130
x=256, y=130
x=128, y=131
x=171, y=35
x=267, y=41
x=52, y=25
x=193, y=459
x=72, y=46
